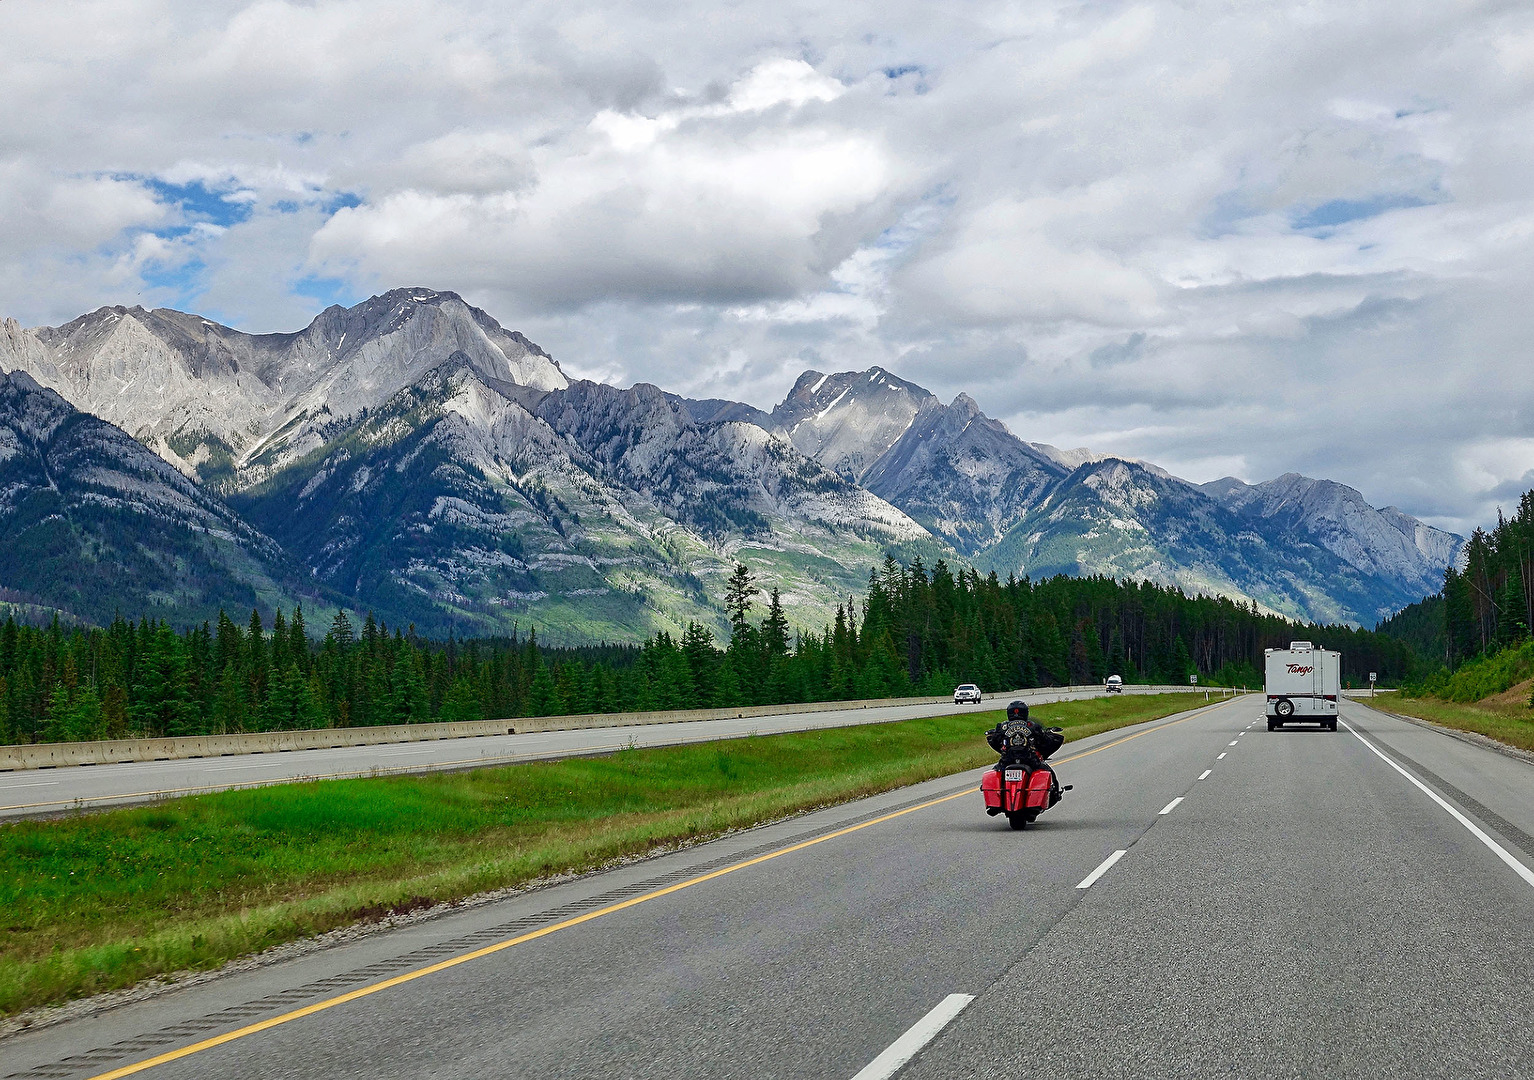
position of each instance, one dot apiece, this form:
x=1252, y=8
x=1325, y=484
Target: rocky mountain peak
x=848, y=420
x=1384, y=542
x=409, y=446
x=228, y=406
x=966, y=404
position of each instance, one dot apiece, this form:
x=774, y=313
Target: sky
x=1229, y=238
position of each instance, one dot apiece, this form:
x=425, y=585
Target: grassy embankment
x=1505, y=717
x=1490, y=695
x=100, y=901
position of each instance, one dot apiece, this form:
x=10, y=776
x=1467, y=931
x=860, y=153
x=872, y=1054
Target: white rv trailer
x=1304, y=684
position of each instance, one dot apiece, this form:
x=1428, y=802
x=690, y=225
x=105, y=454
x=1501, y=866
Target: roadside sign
x=1372, y=676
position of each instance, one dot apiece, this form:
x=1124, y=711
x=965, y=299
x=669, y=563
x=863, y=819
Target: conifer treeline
x=916, y=631
x=1487, y=605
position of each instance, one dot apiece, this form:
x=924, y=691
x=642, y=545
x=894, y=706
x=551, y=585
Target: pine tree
x=738, y=594
x=775, y=627
x=702, y=660
x=162, y=699
x=340, y=633
x=298, y=640
x=255, y=657
x=229, y=706
x=543, y=697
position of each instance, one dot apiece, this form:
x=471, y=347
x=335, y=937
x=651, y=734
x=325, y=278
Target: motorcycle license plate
x=1014, y=774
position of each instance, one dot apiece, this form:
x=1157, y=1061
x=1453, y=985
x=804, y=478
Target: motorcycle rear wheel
x=1018, y=820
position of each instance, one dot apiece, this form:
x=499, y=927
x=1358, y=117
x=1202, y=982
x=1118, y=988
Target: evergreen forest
x=1486, y=606
x=917, y=630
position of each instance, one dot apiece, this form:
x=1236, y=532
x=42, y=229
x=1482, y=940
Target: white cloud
x=695, y=202
x=1320, y=202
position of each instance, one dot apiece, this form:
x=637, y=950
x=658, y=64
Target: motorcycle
x=1020, y=785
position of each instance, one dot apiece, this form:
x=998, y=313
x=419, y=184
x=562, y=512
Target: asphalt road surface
x=34, y=792
x=1287, y=904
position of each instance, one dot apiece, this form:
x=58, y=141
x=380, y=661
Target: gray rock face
x=1320, y=550
x=414, y=456
x=849, y=420
x=92, y=522
x=962, y=475
x=230, y=407
x=593, y=512
x=1126, y=520
x=1383, y=542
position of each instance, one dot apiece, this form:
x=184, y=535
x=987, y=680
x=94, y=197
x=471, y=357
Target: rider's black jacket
x=1017, y=741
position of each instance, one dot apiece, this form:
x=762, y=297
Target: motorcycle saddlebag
x=990, y=787
x=1039, y=784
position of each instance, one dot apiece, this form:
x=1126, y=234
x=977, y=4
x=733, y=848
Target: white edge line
x=1205, y=774
x=1475, y=830
x=1169, y=807
x=920, y=1034
x=1107, y=864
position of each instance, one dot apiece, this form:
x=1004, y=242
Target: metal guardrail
x=112, y=751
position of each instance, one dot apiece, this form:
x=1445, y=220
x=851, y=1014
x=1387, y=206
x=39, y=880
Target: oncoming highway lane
x=813, y=947
x=33, y=792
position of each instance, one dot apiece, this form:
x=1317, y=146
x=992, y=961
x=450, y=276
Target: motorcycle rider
x=1023, y=742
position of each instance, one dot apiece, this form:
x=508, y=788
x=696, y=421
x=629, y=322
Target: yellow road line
x=464, y=958
x=443, y=965
x=87, y=801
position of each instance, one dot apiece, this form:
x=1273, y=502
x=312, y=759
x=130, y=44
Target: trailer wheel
x=1284, y=708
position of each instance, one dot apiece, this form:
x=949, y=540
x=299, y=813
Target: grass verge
x=1505, y=717
x=100, y=901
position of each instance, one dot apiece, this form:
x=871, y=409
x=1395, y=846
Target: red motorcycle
x=1022, y=794
x=1021, y=785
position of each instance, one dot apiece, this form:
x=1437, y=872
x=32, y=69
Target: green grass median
x=1504, y=717
x=100, y=901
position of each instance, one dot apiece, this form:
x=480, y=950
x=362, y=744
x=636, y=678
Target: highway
x=1211, y=900
x=38, y=792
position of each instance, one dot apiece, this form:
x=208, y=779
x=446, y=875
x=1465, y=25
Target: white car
x=1115, y=684
x=968, y=693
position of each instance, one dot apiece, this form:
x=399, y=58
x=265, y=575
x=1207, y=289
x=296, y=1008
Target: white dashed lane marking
x=920, y=1034
x=1107, y=864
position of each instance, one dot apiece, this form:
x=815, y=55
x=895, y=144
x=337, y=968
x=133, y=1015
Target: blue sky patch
x=327, y=290
x=200, y=202
x=184, y=279
x=1341, y=211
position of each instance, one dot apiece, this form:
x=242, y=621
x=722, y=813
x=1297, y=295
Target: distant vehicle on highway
x=968, y=694
x=1115, y=684
x=1304, y=683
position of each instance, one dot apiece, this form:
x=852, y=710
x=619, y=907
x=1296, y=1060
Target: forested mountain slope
x=92, y=522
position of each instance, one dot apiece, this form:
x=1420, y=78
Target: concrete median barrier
x=112, y=751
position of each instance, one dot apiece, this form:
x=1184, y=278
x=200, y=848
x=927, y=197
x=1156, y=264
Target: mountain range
x=411, y=456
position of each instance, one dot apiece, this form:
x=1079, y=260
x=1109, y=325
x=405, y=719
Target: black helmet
x=1018, y=710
